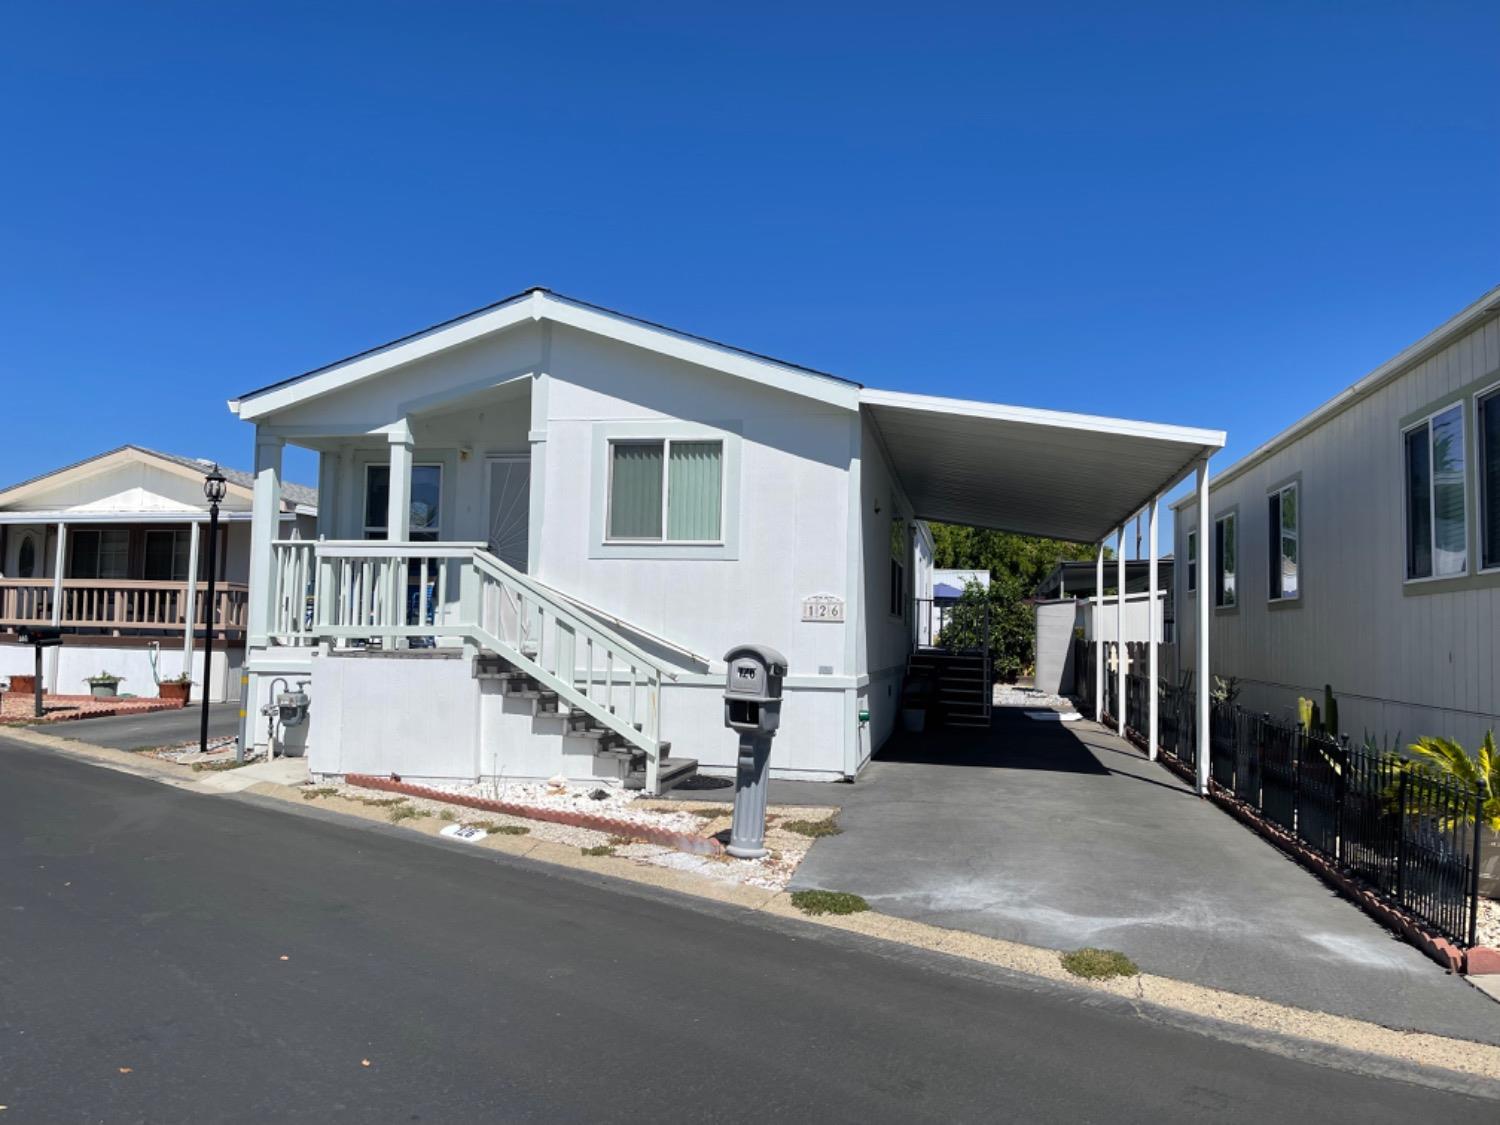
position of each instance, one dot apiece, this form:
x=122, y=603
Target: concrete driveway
x=1062, y=835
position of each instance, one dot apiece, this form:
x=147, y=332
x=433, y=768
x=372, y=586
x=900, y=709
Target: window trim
x=1191, y=559
x=1491, y=391
x=1294, y=484
x=366, y=529
x=666, y=444
x=604, y=434
x=1417, y=424
x=1228, y=514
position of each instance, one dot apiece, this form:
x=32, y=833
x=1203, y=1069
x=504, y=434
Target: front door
x=509, y=487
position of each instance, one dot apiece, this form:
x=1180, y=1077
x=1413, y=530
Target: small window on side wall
x=1192, y=561
x=1226, y=562
x=1488, y=420
x=1283, y=538
x=1436, y=519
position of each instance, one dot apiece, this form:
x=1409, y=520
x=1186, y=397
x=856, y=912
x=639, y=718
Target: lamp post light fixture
x=214, y=487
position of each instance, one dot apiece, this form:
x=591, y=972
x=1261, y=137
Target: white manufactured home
x=114, y=551
x=1360, y=548
x=544, y=523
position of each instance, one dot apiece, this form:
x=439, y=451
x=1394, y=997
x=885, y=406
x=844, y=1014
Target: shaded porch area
x=1064, y=835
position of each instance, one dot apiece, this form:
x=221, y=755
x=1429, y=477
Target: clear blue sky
x=1202, y=213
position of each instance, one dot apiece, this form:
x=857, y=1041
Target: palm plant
x=1446, y=757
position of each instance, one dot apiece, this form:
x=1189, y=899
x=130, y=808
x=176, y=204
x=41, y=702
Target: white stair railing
x=387, y=593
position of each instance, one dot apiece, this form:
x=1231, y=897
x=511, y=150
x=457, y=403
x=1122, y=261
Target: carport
x=1057, y=474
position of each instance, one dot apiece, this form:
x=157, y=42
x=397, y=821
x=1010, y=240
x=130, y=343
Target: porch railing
x=360, y=592
x=120, y=605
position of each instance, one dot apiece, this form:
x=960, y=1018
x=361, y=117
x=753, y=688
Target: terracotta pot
x=179, y=692
x=23, y=685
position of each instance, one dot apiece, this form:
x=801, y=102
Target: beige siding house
x=1360, y=548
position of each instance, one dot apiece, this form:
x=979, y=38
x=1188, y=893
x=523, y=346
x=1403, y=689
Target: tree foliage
x=1017, y=565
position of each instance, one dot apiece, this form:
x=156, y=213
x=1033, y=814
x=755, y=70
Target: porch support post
x=190, y=596
x=265, y=518
x=1205, y=558
x=398, y=522
x=1099, y=635
x=58, y=569
x=1154, y=617
x=330, y=461
x=1120, y=630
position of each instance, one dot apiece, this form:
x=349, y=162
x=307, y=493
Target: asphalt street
x=167, y=956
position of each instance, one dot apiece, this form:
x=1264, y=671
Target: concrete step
x=673, y=771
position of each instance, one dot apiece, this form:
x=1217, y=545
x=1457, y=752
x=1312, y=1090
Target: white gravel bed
x=1489, y=923
x=594, y=798
x=1010, y=695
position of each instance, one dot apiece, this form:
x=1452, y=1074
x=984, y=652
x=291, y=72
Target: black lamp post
x=213, y=488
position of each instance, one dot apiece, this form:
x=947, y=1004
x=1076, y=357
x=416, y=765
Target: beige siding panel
x=1399, y=663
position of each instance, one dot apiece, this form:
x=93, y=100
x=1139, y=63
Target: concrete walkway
x=1064, y=836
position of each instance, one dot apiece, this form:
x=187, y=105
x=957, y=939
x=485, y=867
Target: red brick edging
x=1453, y=957
x=680, y=841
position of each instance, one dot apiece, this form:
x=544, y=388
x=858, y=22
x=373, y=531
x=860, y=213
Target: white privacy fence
x=358, y=593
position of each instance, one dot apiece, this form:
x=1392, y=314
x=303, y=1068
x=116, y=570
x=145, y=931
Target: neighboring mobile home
x=544, y=523
x=113, y=550
x=1360, y=548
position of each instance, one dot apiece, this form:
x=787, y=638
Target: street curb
x=1261, y=1023
x=142, y=765
x=679, y=841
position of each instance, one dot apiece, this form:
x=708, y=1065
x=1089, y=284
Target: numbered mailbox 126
x=752, y=688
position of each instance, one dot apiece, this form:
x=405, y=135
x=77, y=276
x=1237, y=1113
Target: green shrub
x=828, y=902
x=1098, y=964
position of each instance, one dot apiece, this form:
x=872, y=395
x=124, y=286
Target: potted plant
x=105, y=685
x=178, y=688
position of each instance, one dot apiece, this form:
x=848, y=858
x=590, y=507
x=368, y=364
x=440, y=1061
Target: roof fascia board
x=1388, y=372
x=400, y=354
x=103, y=463
x=700, y=353
x=539, y=306
x=1207, y=440
x=69, y=517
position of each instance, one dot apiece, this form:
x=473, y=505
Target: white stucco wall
x=75, y=663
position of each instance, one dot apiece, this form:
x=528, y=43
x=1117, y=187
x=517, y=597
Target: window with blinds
x=666, y=491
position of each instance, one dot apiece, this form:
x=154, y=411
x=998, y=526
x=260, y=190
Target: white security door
x=510, y=508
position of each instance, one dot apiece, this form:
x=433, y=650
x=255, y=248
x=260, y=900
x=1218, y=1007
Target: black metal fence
x=1410, y=833
x=1407, y=831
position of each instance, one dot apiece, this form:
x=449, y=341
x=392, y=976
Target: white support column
x=1153, y=689
x=330, y=461
x=398, y=521
x=1205, y=559
x=59, y=568
x=265, y=521
x=1120, y=660
x=398, y=513
x=190, y=593
x=1099, y=635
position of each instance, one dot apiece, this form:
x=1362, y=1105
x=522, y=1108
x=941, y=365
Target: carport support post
x=1205, y=556
x=1099, y=635
x=1154, y=617
x=1120, y=630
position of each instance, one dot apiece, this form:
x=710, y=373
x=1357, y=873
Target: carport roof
x=1038, y=472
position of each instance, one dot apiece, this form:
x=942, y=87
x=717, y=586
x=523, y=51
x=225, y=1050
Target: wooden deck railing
x=120, y=605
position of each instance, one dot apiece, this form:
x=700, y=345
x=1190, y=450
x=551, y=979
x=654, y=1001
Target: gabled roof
x=294, y=494
x=539, y=304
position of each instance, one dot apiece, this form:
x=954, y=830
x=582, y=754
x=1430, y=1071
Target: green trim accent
x=1466, y=391
x=1489, y=580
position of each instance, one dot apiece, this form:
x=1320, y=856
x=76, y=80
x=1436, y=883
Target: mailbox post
x=39, y=639
x=752, y=706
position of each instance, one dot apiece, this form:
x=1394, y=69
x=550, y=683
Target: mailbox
x=752, y=706
x=39, y=636
x=752, y=689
